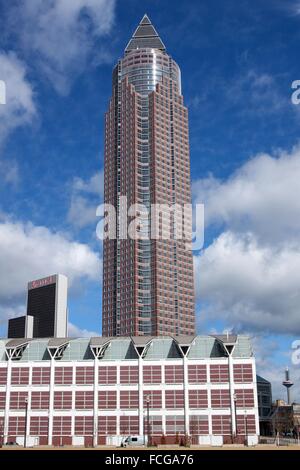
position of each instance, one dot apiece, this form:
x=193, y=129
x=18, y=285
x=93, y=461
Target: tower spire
x=287, y=383
x=145, y=37
x=145, y=19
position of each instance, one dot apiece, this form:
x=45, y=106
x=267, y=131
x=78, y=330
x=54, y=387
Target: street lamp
x=235, y=418
x=246, y=426
x=144, y=426
x=1, y=432
x=148, y=419
x=95, y=434
x=26, y=413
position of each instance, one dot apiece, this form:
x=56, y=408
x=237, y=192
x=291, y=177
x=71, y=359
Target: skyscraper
x=46, y=310
x=47, y=303
x=148, y=286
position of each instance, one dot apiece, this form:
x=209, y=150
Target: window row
x=129, y=425
x=107, y=375
x=198, y=399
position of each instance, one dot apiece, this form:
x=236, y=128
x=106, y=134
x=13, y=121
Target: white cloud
x=9, y=172
x=60, y=33
x=82, y=212
x=250, y=286
x=274, y=374
x=259, y=92
x=293, y=7
x=76, y=332
x=253, y=93
x=20, y=108
x=94, y=185
x=85, y=198
x=249, y=276
x=262, y=196
x=29, y=252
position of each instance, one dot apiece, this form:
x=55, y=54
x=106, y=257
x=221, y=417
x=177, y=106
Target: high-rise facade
x=17, y=327
x=47, y=304
x=47, y=315
x=148, y=286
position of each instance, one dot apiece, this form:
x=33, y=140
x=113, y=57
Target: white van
x=134, y=441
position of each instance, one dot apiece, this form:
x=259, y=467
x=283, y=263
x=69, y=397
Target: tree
x=282, y=420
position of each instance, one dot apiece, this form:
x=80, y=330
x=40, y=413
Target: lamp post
x=148, y=419
x=95, y=434
x=246, y=426
x=235, y=418
x=26, y=414
x=144, y=426
x=1, y=432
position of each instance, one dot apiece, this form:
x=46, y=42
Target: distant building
x=286, y=418
x=20, y=327
x=264, y=396
x=46, y=310
x=47, y=303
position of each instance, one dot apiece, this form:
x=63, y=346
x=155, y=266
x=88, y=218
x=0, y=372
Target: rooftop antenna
x=287, y=383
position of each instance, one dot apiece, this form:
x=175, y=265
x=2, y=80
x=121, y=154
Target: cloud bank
x=20, y=108
x=29, y=252
x=60, y=34
x=250, y=274
x=86, y=195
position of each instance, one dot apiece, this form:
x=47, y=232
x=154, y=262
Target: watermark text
x=296, y=95
x=152, y=222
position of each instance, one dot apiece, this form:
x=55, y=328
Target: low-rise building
x=94, y=391
x=285, y=419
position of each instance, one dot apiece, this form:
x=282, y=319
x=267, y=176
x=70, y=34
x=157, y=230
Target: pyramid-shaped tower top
x=145, y=37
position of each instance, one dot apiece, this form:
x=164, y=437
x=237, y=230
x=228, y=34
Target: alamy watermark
x=2, y=92
x=296, y=95
x=296, y=353
x=180, y=222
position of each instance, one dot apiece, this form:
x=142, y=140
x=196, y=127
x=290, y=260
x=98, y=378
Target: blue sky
x=238, y=61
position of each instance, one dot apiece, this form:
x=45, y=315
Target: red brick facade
x=147, y=290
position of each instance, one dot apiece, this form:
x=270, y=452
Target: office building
x=92, y=391
x=148, y=285
x=264, y=396
x=46, y=310
x=20, y=327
